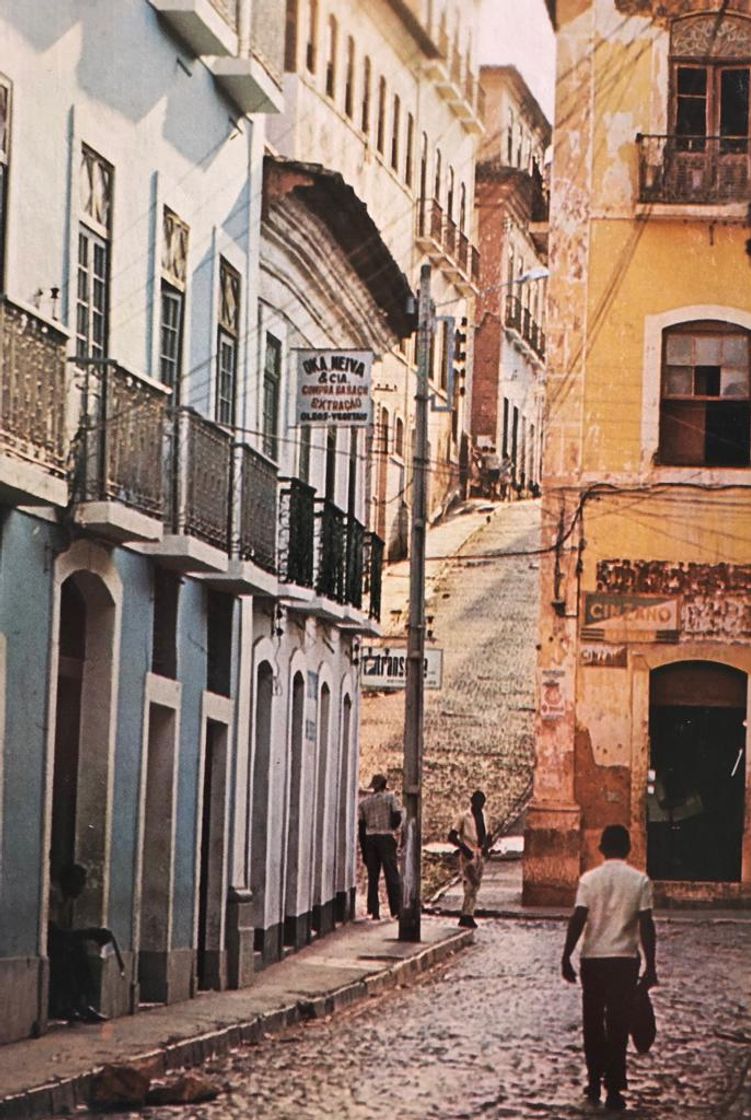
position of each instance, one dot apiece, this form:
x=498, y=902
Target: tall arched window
x=705, y=409
x=365, y=113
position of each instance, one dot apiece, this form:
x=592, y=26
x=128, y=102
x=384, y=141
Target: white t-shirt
x=613, y=894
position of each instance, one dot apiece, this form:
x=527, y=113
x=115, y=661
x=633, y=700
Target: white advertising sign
x=386, y=667
x=333, y=387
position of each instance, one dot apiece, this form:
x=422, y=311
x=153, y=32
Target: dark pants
x=71, y=987
x=608, y=986
x=380, y=852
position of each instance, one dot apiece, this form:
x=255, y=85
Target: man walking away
x=614, y=910
x=469, y=834
x=380, y=815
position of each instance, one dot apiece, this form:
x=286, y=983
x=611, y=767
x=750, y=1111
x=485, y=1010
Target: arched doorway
x=697, y=757
x=259, y=813
x=292, y=933
x=81, y=776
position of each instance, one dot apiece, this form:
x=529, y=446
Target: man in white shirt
x=613, y=909
x=470, y=835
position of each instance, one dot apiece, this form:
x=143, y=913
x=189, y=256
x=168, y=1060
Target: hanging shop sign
x=386, y=667
x=333, y=387
x=630, y=618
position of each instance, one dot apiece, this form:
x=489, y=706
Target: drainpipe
x=243, y=28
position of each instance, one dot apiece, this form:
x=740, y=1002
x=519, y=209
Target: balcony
x=253, y=515
x=696, y=171
x=32, y=409
x=118, y=484
x=206, y=27
x=373, y=574
x=296, y=537
x=519, y=319
x=430, y=228
x=197, y=464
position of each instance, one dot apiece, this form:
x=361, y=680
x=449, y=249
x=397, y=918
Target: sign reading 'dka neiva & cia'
x=333, y=387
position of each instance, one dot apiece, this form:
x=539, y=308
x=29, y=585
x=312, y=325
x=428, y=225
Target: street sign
x=383, y=667
x=333, y=387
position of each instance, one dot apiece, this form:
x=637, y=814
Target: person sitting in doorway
x=72, y=994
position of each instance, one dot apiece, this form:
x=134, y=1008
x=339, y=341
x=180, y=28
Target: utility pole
x=409, y=918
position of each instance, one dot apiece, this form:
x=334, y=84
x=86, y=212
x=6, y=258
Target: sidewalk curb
x=65, y=1095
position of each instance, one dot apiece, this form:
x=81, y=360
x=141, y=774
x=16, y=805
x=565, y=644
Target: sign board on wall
x=630, y=618
x=333, y=387
x=386, y=667
x=603, y=656
x=552, y=694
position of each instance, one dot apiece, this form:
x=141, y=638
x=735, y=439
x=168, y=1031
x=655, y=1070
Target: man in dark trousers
x=613, y=909
x=379, y=817
x=470, y=835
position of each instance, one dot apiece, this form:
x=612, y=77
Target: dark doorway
x=210, y=890
x=698, y=737
x=67, y=727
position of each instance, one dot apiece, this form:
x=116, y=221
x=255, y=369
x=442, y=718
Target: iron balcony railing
x=474, y=265
x=201, y=470
x=373, y=573
x=514, y=313
x=462, y=253
x=258, y=508
x=450, y=235
x=296, y=532
x=430, y=221
x=32, y=389
x=120, y=454
x=694, y=169
x=339, y=568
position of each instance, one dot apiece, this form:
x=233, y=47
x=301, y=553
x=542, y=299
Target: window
x=4, y=154
x=710, y=81
x=164, y=631
x=395, y=133
x=311, y=50
x=229, y=330
x=219, y=615
x=450, y=194
x=705, y=414
x=424, y=166
x=352, y=473
x=381, y=125
x=409, y=149
x=399, y=437
x=92, y=288
x=437, y=176
x=303, y=469
x=462, y=208
x=331, y=57
x=272, y=376
x=349, y=86
x=171, y=336
x=365, y=117
x=330, y=479
x=510, y=138
x=174, y=277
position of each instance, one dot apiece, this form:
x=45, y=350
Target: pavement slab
x=52, y=1074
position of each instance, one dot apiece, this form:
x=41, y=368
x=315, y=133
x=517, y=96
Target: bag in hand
x=643, y=1025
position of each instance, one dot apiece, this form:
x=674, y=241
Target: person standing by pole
x=409, y=918
x=470, y=835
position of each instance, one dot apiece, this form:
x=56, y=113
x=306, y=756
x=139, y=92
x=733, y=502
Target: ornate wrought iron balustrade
x=698, y=170
x=296, y=532
x=32, y=389
x=258, y=509
x=373, y=573
x=121, y=454
x=354, y=562
x=203, y=464
x=331, y=568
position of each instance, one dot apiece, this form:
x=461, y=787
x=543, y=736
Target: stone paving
x=479, y=727
x=496, y=1033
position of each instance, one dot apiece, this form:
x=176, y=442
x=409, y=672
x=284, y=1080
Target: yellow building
x=645, y=641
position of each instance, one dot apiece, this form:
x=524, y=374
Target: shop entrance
x=698, y=756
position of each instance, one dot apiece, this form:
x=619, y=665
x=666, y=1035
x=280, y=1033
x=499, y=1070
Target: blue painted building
x=178, y=626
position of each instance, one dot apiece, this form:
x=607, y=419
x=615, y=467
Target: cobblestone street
x=479, y=726
x=495, y=1033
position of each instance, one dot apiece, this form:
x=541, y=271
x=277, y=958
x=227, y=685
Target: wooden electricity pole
x=409, y=918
